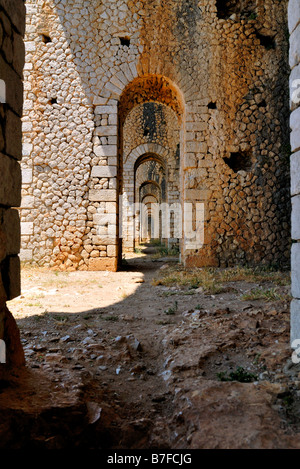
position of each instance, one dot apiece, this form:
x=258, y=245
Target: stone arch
x=150, y=168
x=151, y=88
x=145, y=149
x=150, y=188
x=150, y=198
x=147, y=202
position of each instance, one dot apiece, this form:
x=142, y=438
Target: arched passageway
x=150, y=120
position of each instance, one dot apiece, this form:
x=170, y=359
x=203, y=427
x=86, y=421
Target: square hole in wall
x=239, y=161
x=46, y=39
x=125, y=41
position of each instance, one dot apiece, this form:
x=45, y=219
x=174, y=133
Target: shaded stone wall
x=12, y=23
x=221, y=67
x=294, y=27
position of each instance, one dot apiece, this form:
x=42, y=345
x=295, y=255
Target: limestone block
x=190, y=160
x=26, y=255
x=119, y=81
x=295, y=321
x=295, y=87
x=197, y=194
x=111, y=207
x=99, y=101
x=104, y=219
x=105, y=150
x=112, y=161
x=296, y=270
x=113, y=120
x=28, y=105
x=295, y=173
x=27, y=176
x=127, y=72
x=295, y=126
x=10, y=187
x=104, y=240
x=103, y=195
x=116, y=90
x=26, y=127
x=112, y=251
x=113, y=183
x=293, y=14
x=112, y=230
x=103, y=263
x=295, y=217
x=27, y=202
x=295, y=119
x=294, y=47
x=104, y=171
x=26, y=228
x=106, y=110
x=106, y=131
x=27, y=149
x=102, y=230
x=196, y=147
x=30, y=46
x=295, y=139
x=196, y=126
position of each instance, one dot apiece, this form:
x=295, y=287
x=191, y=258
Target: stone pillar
x=105, y=219
x=12, y=22
x=294, y=28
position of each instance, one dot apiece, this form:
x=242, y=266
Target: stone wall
x=220, y=67
x=294, y=27
x=12, y=24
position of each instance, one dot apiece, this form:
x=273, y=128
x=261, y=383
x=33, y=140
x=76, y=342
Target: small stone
x=77, y=367
x=94, y=412
x=100, y=358
x=120, y=339
x=39, y=348
x=137, y=368
x=139, y=280
x=263, y=375
x=134, y=344
x=86, y=341
x=54, y=357
x=66, y=338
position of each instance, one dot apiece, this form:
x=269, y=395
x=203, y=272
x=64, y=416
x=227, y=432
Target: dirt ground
x=125, y=360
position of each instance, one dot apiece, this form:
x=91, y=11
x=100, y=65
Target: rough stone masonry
x=12, y=25
x=199, y=86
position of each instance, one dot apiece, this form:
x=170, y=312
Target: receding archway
x=150, y=116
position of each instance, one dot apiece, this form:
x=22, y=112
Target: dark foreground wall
x=12, y=23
